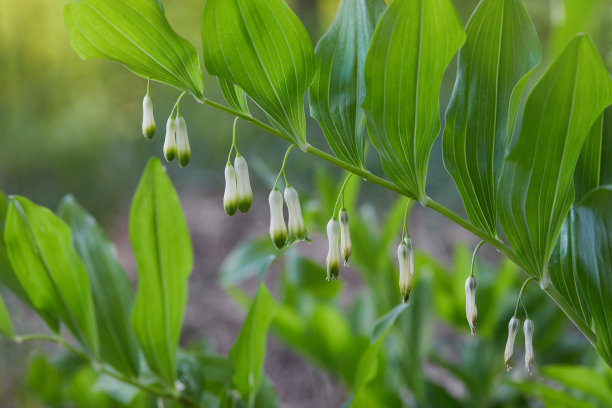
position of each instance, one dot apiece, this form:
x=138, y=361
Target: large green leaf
x=501, y=48
x=136, y=34
x=593, y=237
x=164, y=256
x=588, y=167
x=39, y=247
x=249, y=350
x=262, y=47
x=410, y=50
x=536, y=188
x=112, y=293
x=605, y=173
x=339, y=87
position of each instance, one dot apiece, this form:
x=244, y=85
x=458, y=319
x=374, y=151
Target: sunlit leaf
x=234, y=95
x=588, y=167
x=6, y=325
x=501, y=48
x=136, y=34
x=585, y=379
x=536, y=188
x=39, y=246
x=164, y=256
x=339, y=87
x=110, y=286
x=263, y=48
x=411, y=48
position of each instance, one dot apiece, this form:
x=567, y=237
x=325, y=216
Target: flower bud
x=297, y=228
x=230, y=197
x=513, y=327
x=182, y=141
x=148, y=119
x=245, y=194
x=470, y=303
x=278, y=229
x=345, y=236
x=545, y=279
x=405, y=257
x=333, y=254
x=170, y=141
x=528, y=329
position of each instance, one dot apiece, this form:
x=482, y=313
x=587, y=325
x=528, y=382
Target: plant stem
x=583, y=326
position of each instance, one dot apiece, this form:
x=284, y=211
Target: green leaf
x=251, y=258
x=536, y=189
x=111, y=289
x=263, y=48
x=249, y=350
x=39, y=247
x=234, y=95
x=410, y=50
x=502, y=47
x=585, y=379
x=588, y=167
x=164, y=256
x=593, y=237
x=339, y=87
x=605, y=174
x=136, y=34
x=6, y=326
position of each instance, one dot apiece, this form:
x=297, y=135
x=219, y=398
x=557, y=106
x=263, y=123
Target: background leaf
x=39, y=246
x=110, y=286
x=136, y=34
x=262, y=47
x=6, y=325
x=164, y=256
x=536, y=190
x=502, y=47
x=411, y=48
x=339, y=87
x=249, y=350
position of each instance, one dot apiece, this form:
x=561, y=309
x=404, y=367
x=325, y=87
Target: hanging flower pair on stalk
x=238, y=193
x=513, y=326
x=338, y=237
x=176, y=142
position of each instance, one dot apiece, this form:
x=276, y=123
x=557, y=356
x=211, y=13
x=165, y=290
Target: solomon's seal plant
x=534, y=177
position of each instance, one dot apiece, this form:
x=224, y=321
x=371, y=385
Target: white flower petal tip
x=346, y=246
x=170, y=140
x=470, y=303
x=405, y=257
x=278, y=228
x=230, y=196
x=333, y=253
x=245, y=194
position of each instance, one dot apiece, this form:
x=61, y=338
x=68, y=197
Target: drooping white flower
x=528, y=329
x=245, y=194
x=333, y=253
x=148, y=119
x=545, y=279
x=230, y=196
x=297, y=227
x=470, y=303
x=278, y=229
x=513, y=327
x=345, y=236
x=182, y=141
x=405, y=257
x=170, y=140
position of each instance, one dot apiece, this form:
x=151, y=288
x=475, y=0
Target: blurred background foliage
x=73, y=126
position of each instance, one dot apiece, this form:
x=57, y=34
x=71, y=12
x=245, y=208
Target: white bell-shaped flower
x=245, y=194
x=148, y=119
x=182, y=141
x=470, y=303
x=513, y=327
x=230, y=196
x=278, y=229
x=170, y=140
x=333, y=253
x=405, y=257
x=545, y=279
x=297, y=227
x=345, y=236
x=528, y=330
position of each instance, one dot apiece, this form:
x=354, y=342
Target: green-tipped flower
x=245, y=194
x=405, y=257
x=278, y=229
x=170, y=140
x=345, y=236
x=513, y=327
x=182, y=141
x=297, y=227
x=470, y=303
x=333, y=253
x=230, y=197
x=528, y=329
x=148, y=119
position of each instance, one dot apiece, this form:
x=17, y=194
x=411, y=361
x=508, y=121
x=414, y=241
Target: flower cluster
x=238, y=193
